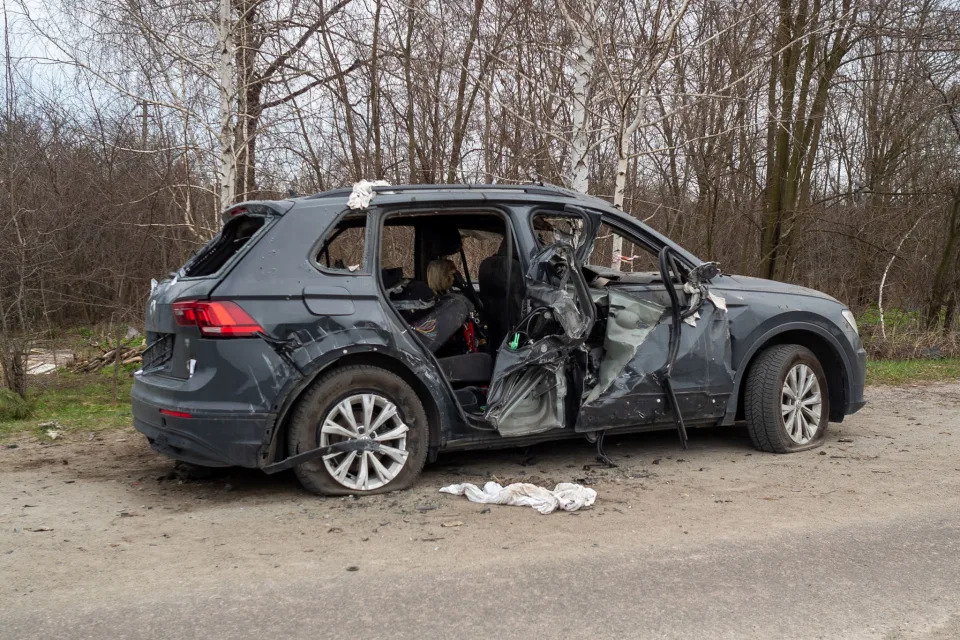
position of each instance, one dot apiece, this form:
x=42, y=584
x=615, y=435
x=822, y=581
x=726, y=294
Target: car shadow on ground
x=573, y=460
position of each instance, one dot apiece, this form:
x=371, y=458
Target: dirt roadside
x=98, y=519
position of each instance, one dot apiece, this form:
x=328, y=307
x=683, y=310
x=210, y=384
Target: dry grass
x=906, y=338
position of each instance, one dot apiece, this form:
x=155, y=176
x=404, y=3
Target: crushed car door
x=537, y=376
x=643, y=377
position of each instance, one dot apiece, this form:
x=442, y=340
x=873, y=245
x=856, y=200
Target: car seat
x=496, y=274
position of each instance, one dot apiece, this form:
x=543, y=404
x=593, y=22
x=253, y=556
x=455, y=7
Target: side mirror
x=705, y=272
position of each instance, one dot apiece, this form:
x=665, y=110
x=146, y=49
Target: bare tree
x=797, y=140
x=648, y=31
x=812, y=41
x=583, y=19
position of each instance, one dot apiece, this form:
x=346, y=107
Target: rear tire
x=786, y=400
x=360, y=402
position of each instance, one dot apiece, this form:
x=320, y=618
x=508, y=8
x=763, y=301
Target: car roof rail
x=533, y=189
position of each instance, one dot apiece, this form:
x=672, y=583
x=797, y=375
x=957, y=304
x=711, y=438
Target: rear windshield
x=226, y=244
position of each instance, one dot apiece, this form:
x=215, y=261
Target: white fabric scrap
x=718, y=301
x=363, y=193
x=692, y=320
x=566, y=495
x=41, y=369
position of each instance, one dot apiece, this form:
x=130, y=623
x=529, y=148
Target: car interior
x=456, y=279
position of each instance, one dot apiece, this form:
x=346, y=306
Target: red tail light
x=218, y=319
x=175, y=414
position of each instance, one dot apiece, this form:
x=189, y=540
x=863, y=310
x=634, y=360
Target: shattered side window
x=236, y=234
x=551, y=228
x=480, y=245
x=397, y=248
x=344, y=247
x=632, y=257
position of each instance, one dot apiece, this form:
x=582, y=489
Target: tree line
x=815, y=141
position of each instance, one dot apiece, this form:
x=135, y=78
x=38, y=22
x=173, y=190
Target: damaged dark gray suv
x=352, y=343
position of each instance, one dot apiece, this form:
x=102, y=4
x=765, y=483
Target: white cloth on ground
x=566, y=495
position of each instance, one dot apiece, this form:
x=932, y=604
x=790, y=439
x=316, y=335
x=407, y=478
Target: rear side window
x=236, y=234
x=344, y=247
x=479, y=245
x=397, y=248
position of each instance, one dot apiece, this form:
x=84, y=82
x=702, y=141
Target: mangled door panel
x=529, y=387
x=629, y=322
x=629, y=387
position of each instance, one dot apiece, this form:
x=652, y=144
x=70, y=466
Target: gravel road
x=859, y=539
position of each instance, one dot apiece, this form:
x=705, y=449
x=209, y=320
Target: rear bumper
x=231, y=399
x=207, y=439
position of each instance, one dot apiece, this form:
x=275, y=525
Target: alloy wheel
x=365, y=416
x=800, y=403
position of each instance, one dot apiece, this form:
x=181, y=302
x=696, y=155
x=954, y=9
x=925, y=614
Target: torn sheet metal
x=363, y=193
x=551, y=283
x=718, y=301
x=629, y=321
x=529, y=384
x=566, y=496
x=702, y=375
x=528, y=389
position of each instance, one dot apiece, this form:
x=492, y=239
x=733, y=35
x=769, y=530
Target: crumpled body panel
x=629, y=321
x=528, y=389
x=633, y=394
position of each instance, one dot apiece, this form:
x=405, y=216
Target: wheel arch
x=276, y=442
x=815, y=338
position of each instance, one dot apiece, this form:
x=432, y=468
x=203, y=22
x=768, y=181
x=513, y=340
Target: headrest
x=442, y=240
x=391, y=277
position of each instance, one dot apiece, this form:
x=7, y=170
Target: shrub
x=13, y=407
x=907, y=338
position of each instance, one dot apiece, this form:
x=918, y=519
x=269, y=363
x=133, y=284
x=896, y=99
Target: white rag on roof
x=363, y=193
x=566, y=495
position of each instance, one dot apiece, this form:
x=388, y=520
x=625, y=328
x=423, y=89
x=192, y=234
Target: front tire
x=360, y=402
x=786, y=400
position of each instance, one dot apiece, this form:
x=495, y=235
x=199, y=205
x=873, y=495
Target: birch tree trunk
x=584, y=57
x=624, y=138
x=620, y=188
x=636, y=81
x=225, y=78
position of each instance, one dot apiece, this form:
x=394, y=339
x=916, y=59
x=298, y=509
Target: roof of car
x=394, y=194
x=490, y=191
